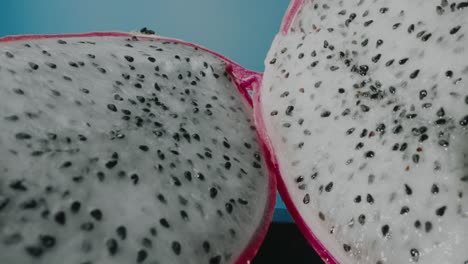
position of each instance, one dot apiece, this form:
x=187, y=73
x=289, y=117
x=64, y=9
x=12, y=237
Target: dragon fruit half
x=365, y=104
x=123, y=148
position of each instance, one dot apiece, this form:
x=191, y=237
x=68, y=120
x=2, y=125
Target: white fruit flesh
x=151, y=133
x=375, y=168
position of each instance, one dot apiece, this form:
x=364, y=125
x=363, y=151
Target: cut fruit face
x=121, y=148
x=364, y=104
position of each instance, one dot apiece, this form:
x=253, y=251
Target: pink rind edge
x=306, y=230
x=246, y=82
x=293, y=8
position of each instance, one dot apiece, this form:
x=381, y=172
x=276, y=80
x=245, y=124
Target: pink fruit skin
x=326, y=255
x=246, y=81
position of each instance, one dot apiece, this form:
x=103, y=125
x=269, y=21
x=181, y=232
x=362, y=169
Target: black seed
x=206, y=246
x=422, y=94
x=346, y=247
x=367, y=23
x=364, y=108
x=135, y=179
x=362, y=219
x=112, y=107
x=141, y=255
x=12, y=118
x=380, y=128
x=350, y=131
x=151, y=59
x=22, y=136
x=273, y=61
x=428, y=226
x=363, y=69
x=29, y=204
x=228, y=207
x=441, y=121
x=357, y=199
x=321, y=216
x=341, y=91
x=325, y=113
x=449, y=74
x=369, y=154
x=75, y=206
x=415, y=158
x=365, y=42
x=378, y=44
x=455, y=30
x=359, y=145
x=417, y=224
x=395, y=26
x=213, y=192
x=404, y=210
x=34, y=251
x=73, y=64
x=66, y=164
x=329, y=187
x=441, y=211
x=18, y=91
x=289, y=110
x=385, y=230
x=462, y=5
x=60, y=218
x=389, y=63
x=111, y=164
x=403, y=146
x=443, y=143
x=464, y=121
x=397, y=129
x=403, y=61
x=426, y=37
x=306, y=199
x=411, y=28
x=96, y=214
x=112, y=246
x=184, y=215
x=370, y=199
x=423, y=138
x=129, y=58
x=121, y=232
x=88, y=226
x=414, y=254
x=164, y=222
x=18, y=185
x=434, y=189
x=376, y=58
x=47, y=241
x=420, y=34
x=414, y=74
x=153, y=231
x=215, y=259
x=33, y=65
x=176, y=247
x=408, y=189
x=143, y=148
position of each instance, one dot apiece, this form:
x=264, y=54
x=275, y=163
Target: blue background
x=240, y=29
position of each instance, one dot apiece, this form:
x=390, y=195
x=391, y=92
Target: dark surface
x=284, y=243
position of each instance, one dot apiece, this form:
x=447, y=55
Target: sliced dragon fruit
x=365, y=104
x=122, y=148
